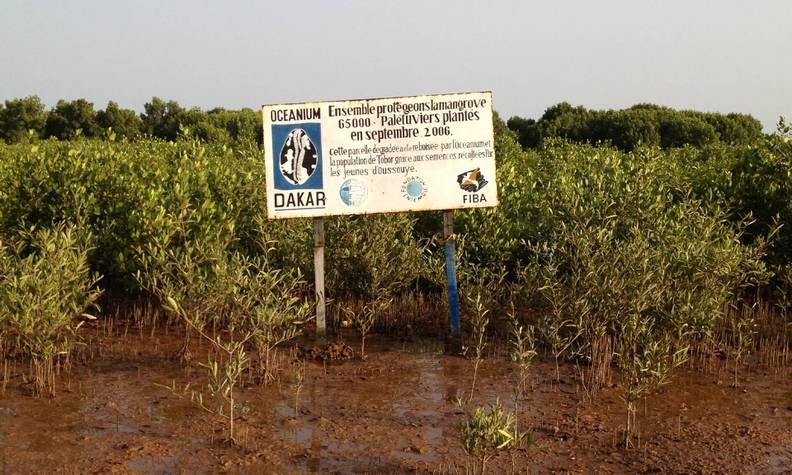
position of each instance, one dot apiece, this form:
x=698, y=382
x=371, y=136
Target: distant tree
x=678, y=130
x=69, y=117
x=527, y=131
x=735, y=128
x=125, y=123
x=601, y=127
x=244, y=125
x=634, y=128
x=166, y=119
x=563, y=120
x=554, y=112
x=747, y=129
x=20, y=116
x=649, y=107
x=226, y=125
x=162, y=119
x=641, y=124
x=209, y=132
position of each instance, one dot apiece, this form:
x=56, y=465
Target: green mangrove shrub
x=46, y=292
x=630, y=256
x=272, y=306
x=124, y=192
x=372, y=259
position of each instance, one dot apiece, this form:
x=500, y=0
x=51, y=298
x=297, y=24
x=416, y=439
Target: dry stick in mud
x=6, y=375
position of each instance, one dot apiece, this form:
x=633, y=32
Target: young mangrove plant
x=479, y=321
x=198, y=281
x=646, y=359
x=224, y=376
x=742, y=338
x=254, y=314
x=271, y=304
x=523, y=351
x=204, y=283
x=560, y=335
x=224, y=372
x=783, y=293
x=7, y=265
x=558, y=329
x=196, y=275
x=297, y=384
x=484, y=431
x=363, y=318
x=484, y=289
x=46, y=290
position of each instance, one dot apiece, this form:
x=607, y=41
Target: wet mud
x=392, y=413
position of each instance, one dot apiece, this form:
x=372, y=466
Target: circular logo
x=353, y=192
x=414, y=188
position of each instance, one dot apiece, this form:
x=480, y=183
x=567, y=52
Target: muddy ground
x=393, y=413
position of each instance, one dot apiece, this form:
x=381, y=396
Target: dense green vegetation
x=27, y=119
x=641, y=124
x=624, y=257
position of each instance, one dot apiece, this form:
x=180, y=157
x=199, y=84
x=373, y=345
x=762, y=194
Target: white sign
x=380, y=155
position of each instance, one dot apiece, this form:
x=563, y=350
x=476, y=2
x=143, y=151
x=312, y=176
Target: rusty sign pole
x=319, y=244
x=450, y=256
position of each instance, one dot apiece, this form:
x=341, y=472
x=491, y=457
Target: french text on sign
x=395, y=154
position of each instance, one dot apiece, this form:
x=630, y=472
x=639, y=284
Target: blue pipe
x=453, y=294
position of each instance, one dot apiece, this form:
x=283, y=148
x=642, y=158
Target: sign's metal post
x=319, y=244
x=450, y=255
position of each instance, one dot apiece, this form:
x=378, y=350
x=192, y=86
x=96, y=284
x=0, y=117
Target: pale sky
x=720, y=55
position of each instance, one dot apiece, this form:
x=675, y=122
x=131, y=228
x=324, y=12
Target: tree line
x=26, y=118
x=639, y=125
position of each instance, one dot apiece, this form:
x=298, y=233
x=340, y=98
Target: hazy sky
x=719, y=55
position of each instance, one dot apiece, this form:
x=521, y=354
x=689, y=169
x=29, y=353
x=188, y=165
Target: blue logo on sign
x=353, y=192
x=414, y=188
x=297, y=159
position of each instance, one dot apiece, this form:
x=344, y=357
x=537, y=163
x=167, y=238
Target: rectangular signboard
x=380, y=155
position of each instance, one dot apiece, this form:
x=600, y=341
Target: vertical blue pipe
x=453, y=294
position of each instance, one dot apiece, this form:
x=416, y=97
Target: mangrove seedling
x=224, y=373
x=480, y=321
x=523, y=351
x=485, y=431
x=645, y=363
x=364, y=318
x=743, y=332
x=273, y=309
x=297, y=384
